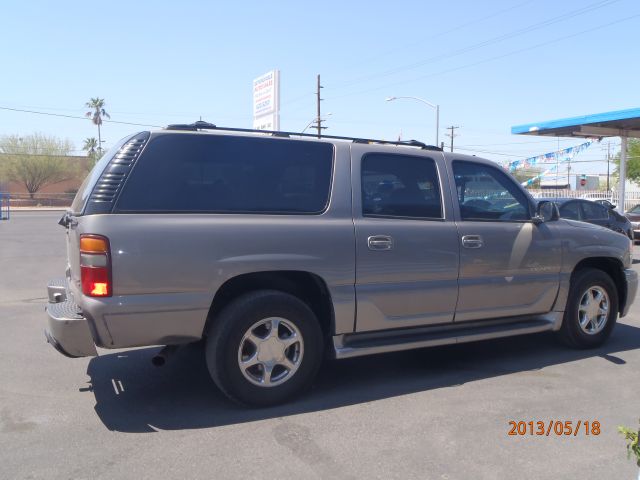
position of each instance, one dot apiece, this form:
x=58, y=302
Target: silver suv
x=276, y=249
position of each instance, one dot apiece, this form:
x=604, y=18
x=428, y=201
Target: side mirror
x=546, y=212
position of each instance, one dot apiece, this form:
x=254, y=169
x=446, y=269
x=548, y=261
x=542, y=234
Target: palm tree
x=96, y=114
x=90, y=146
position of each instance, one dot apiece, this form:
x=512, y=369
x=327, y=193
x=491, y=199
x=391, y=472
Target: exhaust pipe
x=160, y=358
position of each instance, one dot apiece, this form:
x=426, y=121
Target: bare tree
x=36, y=160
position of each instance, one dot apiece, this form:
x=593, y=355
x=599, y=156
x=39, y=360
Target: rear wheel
x=592, y=309
x=264, y=348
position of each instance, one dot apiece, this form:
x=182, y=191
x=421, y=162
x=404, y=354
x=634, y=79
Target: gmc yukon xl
x=277, y=249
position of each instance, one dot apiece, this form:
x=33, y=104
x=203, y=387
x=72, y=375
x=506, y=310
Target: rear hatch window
x=229, y=174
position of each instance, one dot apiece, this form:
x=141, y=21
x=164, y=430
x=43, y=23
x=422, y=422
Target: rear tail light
x=95, y=266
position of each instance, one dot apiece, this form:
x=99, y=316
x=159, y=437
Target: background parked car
x=592, y=212
x=633, y=214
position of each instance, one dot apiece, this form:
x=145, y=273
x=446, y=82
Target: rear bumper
x=67, y=330
x=631, y=277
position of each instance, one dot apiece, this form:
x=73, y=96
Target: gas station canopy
x=622, y=123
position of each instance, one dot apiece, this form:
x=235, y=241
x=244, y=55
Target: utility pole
x=452, y=134
x=319, y=126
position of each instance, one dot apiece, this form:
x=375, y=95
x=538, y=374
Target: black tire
x=226, y=334
x=571, y=332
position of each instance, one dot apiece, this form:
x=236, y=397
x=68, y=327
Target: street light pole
x=436, y=107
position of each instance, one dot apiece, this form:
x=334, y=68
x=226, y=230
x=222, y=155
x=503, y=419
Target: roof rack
x=202, y=125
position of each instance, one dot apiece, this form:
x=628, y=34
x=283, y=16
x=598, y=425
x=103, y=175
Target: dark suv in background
x=593, y=212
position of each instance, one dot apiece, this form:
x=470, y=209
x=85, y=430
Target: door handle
x=380, y=242
x=472, y=241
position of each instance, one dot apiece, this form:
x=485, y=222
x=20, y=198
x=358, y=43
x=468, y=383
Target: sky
x=488, y=65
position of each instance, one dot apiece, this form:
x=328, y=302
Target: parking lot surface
x=439, y=413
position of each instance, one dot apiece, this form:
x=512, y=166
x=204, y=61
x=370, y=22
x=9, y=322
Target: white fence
x=631, y=197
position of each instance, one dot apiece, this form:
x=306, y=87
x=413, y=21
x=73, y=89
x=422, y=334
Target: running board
x=369, y=343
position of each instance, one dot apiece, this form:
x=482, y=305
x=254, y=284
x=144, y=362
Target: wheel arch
x=612, y=267
x=308, y=287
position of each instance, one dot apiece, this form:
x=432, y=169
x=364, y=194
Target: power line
x=439, y=34
x=490, y=59
x=508, y=143
x=77, y=117
x=497, y=39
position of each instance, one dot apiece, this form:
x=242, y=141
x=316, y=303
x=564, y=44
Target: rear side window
x=593, y=211
x=570, y=210
x=225, y=174
x=80, y=200
x=400, y=186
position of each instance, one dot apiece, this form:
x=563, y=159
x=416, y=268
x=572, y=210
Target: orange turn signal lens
x=93, y=244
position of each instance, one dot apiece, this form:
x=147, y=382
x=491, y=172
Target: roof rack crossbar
x=201, y=125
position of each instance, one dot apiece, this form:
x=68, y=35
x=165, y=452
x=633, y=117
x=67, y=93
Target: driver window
x=487, y=194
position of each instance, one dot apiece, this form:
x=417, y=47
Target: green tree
x=524, y=174
x=633, y=161
x=96, y=114
x=36, y=160
x=91, y=147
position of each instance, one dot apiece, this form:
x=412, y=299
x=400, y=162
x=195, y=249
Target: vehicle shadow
x=133, y=396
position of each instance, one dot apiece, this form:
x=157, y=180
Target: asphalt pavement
x=439, y=413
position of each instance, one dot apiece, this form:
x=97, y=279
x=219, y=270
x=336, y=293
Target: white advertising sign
x=266, y=100
x=267, y=122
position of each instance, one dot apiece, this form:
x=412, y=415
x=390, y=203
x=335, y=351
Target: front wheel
x=592, y=309
x=264, y=348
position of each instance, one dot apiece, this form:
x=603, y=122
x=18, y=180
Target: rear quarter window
x=229, y=174
x=80, y=200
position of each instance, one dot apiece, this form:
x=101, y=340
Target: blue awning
x=609, y=124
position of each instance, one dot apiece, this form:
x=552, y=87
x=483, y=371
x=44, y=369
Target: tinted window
x=570, y=210
x=635, y=209
x=400, y=186
x=224, y=174
x=486, y=193
x=593, y=211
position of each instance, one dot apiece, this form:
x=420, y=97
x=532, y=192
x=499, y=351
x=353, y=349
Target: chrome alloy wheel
x=593, y=310
x=270, y=352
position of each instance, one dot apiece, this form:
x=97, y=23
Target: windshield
x=86, y=188
x=635, y=209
